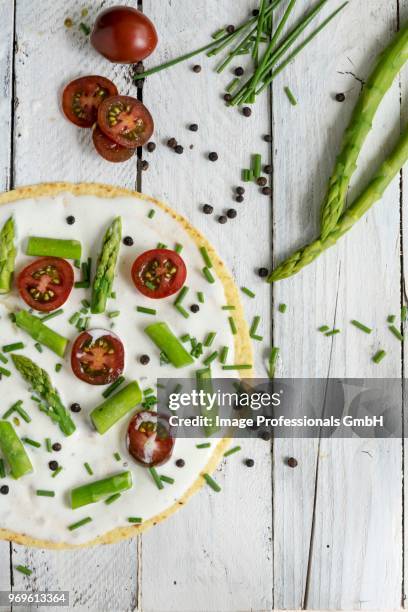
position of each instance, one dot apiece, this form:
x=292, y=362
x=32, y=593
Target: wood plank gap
x=13, y=101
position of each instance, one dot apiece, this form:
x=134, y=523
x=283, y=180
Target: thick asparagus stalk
x=53, y=247
x=7, y=256
x=14, y=451
x=41, y=384
x=40, y=332
x=100, y=489
x=374, y=192
x=105, y=269
x=116, y=407
x=169, y=344
x=389, y=65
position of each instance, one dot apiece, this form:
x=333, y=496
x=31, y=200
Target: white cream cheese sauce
x=45, y=518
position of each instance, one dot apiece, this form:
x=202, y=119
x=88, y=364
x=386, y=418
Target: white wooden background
x=328, y=534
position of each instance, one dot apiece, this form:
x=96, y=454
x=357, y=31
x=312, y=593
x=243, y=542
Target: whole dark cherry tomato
x=124, y=35
x=82, y=97
x=46, y=283
x=97, y=357
x=159, y=273
x=149, y=438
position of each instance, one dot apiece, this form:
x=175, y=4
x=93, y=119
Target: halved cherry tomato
x=46, y=283
x=149, y=438
x=97, y=357
x=126, y=121
x=82, y=97
x=108, y=149
x=159, y=273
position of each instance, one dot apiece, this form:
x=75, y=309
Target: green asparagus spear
x=373, y=192
x=93, y=492
x=7, y=255
x=105, y=269
x=14, y=451
x=40, y=332
x=389, y=65
x=41, y=384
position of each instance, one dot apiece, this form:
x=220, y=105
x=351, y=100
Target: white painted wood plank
x=48, y=148
x=357, y=534
x=216, y=553
x=6, y=70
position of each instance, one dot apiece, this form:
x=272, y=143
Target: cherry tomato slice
x=97, y=357
x=46, y=283
x=159, y=273
x=82, y=97
x=149, y=438
x=126, y=121
x=108, y=149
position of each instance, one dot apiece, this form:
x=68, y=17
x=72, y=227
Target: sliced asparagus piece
x=7, y=255
x=116, y=407
x=106, y=266
x=41, y=384
x=14, y=451
x=53, y=247
x=93, y=492
x=40, y=332
x=169, y=344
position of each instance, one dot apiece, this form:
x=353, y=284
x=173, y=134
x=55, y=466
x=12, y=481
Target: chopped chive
x=282, y=308
x=290, y=96
x=333, y=332
x=85, y=28
x=254, y=325
x=32, y=442
x=113, y=314
x=48, y=445
x=23, y=569
x=232, y=325
x=134, y=519
x=247, y=175
x=58, y=367
x=181, y=295
x=151, y=213
x=148, y=391
x=57, y=471
x=86, y=304
x=209, y=339
x=156, y=477
x=391, y=318
x=77, y=263
x=10, y=411
x=86, y=323
x=79, y=523
x=223, y=354
x=84, y=311
x=112, y=498
x=167, y=479
x=117, y=456
x=210, y=358
x=178, y=248
x=273, y=356
x=379, y=356
x=206, y=257
x=248, y=292
x=84, y=269
x=161, y=245
x=150, y=311
x=232, y=85
x=404, y=311
x=200, y=297
x=218, y=34
x=113, y=387
x=256, y=165
x=182, y=311
x=7, y=348
x=237, y=366
x=396, y=332
x=211, y=482
x=323, y=328
x=3, y=359
x=2, y=469
x=5, y=372
x=361, y=326
x=88, y=469
x=231, y=451
x=44, y=493
x=39, y=347
x=227, y=307
x=56, y=313
x=113, y=295
x=204, y=445
x=73, y=320
x=82, y=285
x=185, y=338
x=35, y=399
x=257, y=338
x=24, y=415
x=207, y=274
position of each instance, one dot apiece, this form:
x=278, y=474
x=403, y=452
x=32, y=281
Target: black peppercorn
x=227, y=97
x=4, y=490
x=194, y=308
x=208, y=209
x=240, y=190
x=193, y=127
x=56, y=447
x=340, y=97
x=222, y=219
x=197, y=68
x=53, y=465
x=255, y=12
x=230, y=29
x=179, y=149
x=142, y=164
x=75, y=407
x=249, y=462
x=267, y=138
x=128, y=241
x=292, y=462
x=144, y=359
x=265, y=435
x=261, y=181
x=268, y=169
x=180, y=463
x=71, y=220
x=239, y=198
x=139, y=68
x=213, y=156
x=231, y=213
x=266, y=191
x=239, y=71
x=263, y=272
x=151, y=146
x=172, y=142
x=246, y=111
